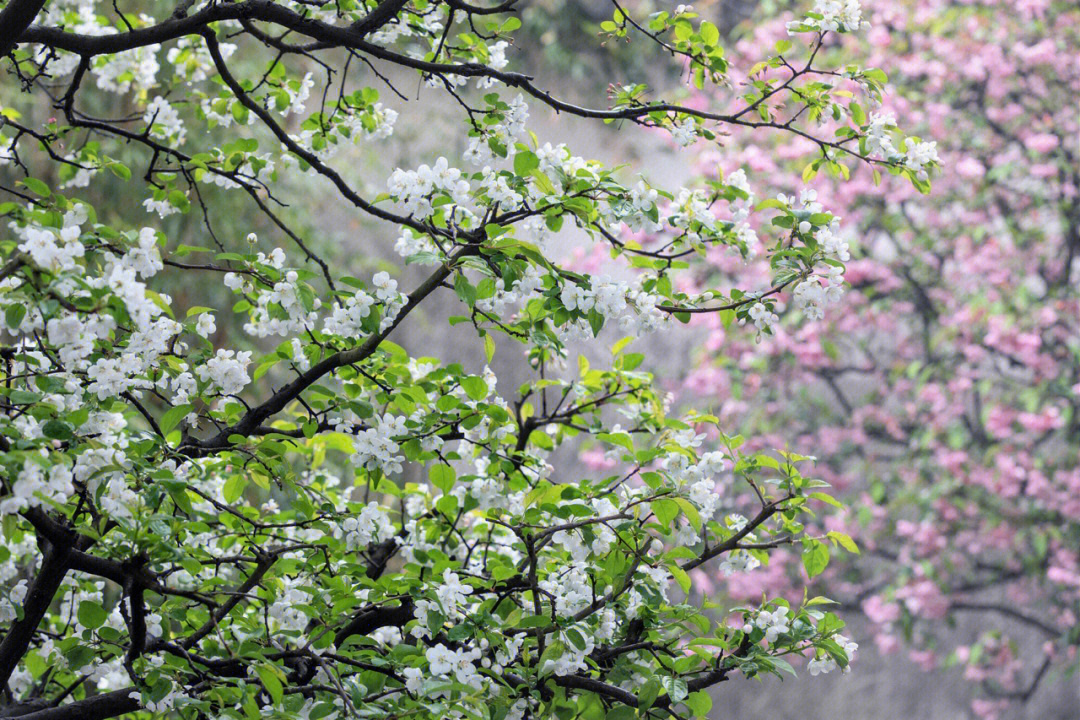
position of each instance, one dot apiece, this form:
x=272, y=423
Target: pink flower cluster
x=943, y=393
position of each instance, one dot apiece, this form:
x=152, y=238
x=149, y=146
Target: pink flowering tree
x=942, y=396
x=201, y=524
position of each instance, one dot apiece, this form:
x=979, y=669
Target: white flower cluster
x=370, y=525
x=376, y=122
x=33, y=485
x=460, y=663
x=603, y=537
x=144, y=257
x=814, y=293
x=387, y=293
x=83, y=174
x=112, y=376
x=698, y=481
x=162, y=206
x=740, y=211
x=452, y=594
x=879, y=134
x=692, y=206
x=414, y=188
x=410, y=244
x=511, y=128
x=738, y=562
x=774, y=623
x=265, y=321
x=375, y=447
x=226, y=371
x=42, y=246
x=826, y=664
x=15, y=596
x=498, y=190
x=762, y=316
x=573, y=657
x=451, y=598
x=122, y=72
x=298, y=92
x=522, y=291
x=919, y=155
x=190, y=60
x=612, y=299
x=346, y=319
x=496, y=61
x=684, y=133
x=836, y=15
x=164, y=121
x=879, y=143
x=285, y=611
x=183, y=384
x=832, y=244
x=75, y=336
x=642, y=203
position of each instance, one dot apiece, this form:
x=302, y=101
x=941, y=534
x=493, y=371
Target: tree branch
x=98, y=707
x=14, y=19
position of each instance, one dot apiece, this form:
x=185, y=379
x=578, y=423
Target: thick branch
x=14, y=19
x=54, y=566
x=371, y=620
x=331, y=36
x=98, y=707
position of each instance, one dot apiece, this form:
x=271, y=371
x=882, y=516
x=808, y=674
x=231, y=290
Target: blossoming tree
x=944, y=396
x=206, y=531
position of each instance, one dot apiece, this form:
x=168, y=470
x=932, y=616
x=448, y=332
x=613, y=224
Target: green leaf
x=36, y=186
x=91, y=614
x=857, y=113
x=442, y=477
x=820, y=600
x=120, y=170
x=22, y=397
x=475, y=387
x=783, y=665
x=665, y=511
x=57, y=430
x=844, y=540
x=699, y=703
x=14, y=315
x=815, y=557
x=648, y=693
x=691, y=513
x=464, y=289
x=447, y=505
x=710, y=35
x=525, y=161
x=826, y=498
x=676, y=688
x=545, y=184
x=173, y=416
x=234, y=488
x=553, y=652
x=239, y=113
x=271, y=682
x=680, y=577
